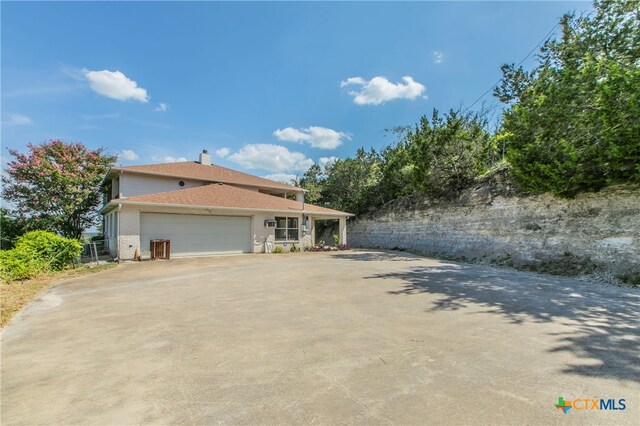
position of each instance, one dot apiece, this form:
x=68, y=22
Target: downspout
x=118, y=231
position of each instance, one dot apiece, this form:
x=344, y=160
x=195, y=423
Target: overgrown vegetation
x=37, y=252
x=11, y=227
x=439, y=156
x=571, y=124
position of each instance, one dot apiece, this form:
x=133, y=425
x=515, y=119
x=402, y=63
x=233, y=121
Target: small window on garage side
x=286, y=229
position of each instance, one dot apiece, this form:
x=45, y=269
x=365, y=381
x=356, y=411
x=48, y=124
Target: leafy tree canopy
x=313, y=181
x=11, y=227
x=573, y=122
x=56, y=185
x=439, y=156
x=352, y=183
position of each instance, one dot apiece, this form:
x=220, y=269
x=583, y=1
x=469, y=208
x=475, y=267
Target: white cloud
x=115, y=85
x=168, y=159
x=18, y=120
x=223, y=152
x=323, y=162
x=128, y=155
x=317, y=137
x=291, y=135
x=162, y=107
x=379, y=90
x=353, y=80
x=274, y=158
x=281, y=177
x=438, y=57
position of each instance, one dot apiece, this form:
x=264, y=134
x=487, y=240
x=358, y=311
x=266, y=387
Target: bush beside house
x=36, y=252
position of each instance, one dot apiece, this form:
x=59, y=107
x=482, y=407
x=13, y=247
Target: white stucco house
x=205, y=209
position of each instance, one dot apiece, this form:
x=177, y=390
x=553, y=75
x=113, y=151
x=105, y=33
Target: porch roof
x=222, y=196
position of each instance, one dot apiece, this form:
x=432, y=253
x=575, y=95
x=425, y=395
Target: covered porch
x=341, y=225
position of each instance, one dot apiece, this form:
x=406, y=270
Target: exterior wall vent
x=269, y=223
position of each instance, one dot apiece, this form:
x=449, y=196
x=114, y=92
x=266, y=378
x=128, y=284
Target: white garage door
x=196, y=235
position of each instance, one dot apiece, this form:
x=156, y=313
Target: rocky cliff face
x=595, y=233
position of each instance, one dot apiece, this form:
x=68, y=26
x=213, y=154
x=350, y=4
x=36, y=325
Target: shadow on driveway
x=371, y=256
x=606, y=317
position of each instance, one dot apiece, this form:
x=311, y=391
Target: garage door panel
x=196, y=235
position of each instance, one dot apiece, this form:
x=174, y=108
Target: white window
x=286, y=229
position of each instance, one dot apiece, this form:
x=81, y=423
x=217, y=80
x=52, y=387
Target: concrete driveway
x=362, y=337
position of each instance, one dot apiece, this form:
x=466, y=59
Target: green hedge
x=36, y=252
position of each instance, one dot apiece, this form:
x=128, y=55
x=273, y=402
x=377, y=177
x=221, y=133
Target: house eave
x=220, y=208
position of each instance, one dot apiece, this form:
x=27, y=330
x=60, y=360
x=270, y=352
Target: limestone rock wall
x=593, y=233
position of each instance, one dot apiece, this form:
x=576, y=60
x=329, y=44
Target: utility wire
x=546, y=37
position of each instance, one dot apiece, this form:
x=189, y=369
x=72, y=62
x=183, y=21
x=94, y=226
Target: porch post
x=312, y=229
x=342, y=228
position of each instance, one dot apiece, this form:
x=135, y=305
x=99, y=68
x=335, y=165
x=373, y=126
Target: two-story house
x=205, y=209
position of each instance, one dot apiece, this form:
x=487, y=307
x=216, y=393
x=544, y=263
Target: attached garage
x=196, y=235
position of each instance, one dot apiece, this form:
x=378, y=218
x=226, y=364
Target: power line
x=519, y=63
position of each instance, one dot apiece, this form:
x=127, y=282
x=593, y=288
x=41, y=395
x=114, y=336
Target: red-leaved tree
x=56, y=185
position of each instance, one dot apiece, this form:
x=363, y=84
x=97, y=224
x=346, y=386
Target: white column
x=312, y=230
x=342, y=227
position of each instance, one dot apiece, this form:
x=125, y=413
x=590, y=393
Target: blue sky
x=267, y=88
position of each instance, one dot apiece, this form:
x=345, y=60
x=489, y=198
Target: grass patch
x=14, y=295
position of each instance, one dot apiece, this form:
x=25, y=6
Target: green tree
x=11, y=227
x=573, y=122
x=313, y=181
x=397, y=167
x=57, y=185
x=352, y=183
x=440, y=156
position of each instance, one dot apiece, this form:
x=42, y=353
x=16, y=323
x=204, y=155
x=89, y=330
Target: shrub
x=55, y=251
x=36, y=252
x=18, y=265
x=278, y=249
x=336, y=240
x=322, y=247
x=294, y=249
